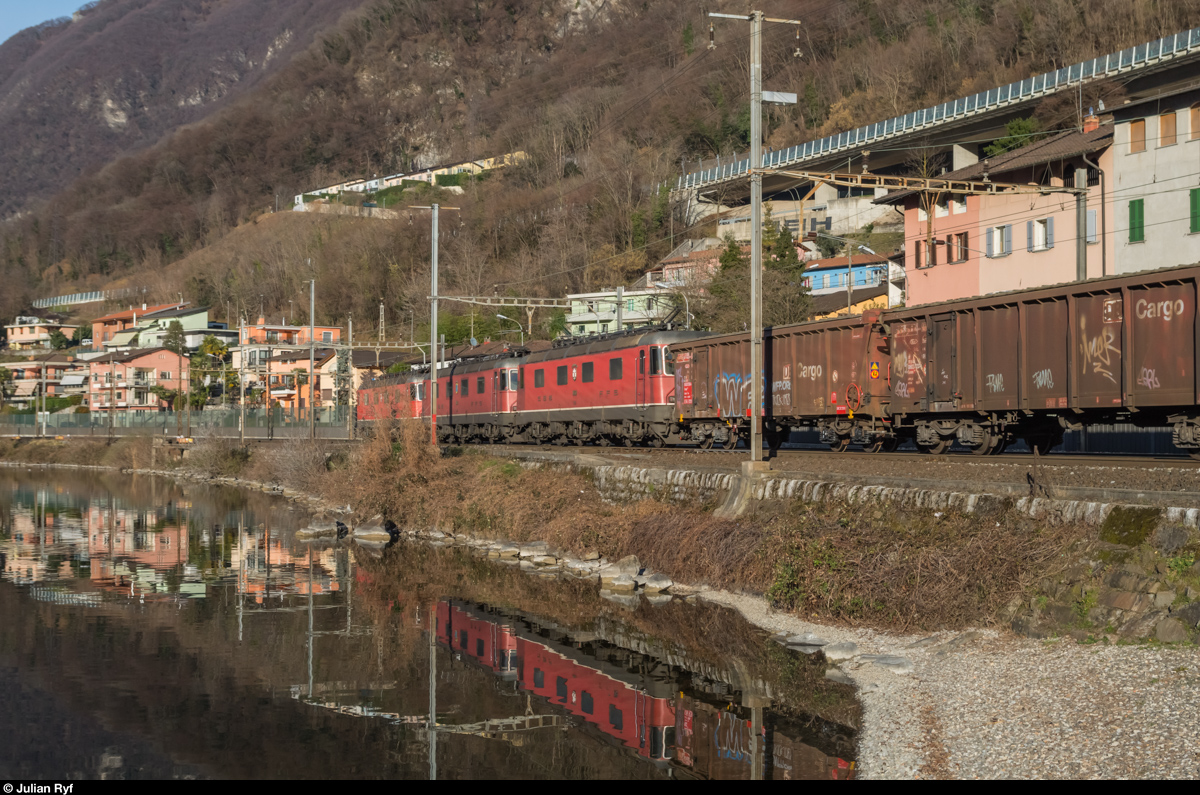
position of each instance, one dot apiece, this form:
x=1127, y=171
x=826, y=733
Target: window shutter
x=1050, y=232
x=1091, y=226
x=1029, y=235
x=828, y=223
x=990, y=234
x=1007, y=239
x=1137, y=231
x=1195, y=201
x=919, y=250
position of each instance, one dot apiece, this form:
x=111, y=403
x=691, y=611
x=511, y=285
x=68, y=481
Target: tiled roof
x=1054, y=148
x=842, y=262
x=129, y=313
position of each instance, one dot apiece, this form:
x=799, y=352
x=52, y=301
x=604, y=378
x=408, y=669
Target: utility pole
x=45, y=366
x=351, y=396
x=620, y=308
x=849, y=280
x=756, y=19
x=432, y=629
x=312, y=358
x=112, y=391
x=433, y=320
x=242, y=382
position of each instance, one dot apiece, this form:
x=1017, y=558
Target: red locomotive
x=981, y=372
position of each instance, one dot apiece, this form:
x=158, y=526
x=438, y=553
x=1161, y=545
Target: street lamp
x=519, y=326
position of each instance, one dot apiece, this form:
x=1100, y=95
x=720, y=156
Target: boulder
x=840, y=651
x=1124, y=580
x=534, y=548
x=1164, y=598
x=591, y=554
x=1142, y=626
x=544, y=560
x=1127, y=600
x=527, y=564
x=1171, y=630
x=657, y=583
x=1188, y=614
x=508, y=551
x=627, y=600
x=659, y=598
x=627, y=565
x=622, y=583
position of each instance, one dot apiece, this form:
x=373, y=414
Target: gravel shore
x=985, y=704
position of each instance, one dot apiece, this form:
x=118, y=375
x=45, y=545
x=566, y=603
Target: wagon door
x=999, y=351
x=909, y=364
x=1162, y=328
x=942, y=364
x=701, y=383
x=1045, y=355
x=1097, y=361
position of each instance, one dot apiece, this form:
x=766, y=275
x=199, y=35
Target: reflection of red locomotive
x=646, y=715
x=618, y=709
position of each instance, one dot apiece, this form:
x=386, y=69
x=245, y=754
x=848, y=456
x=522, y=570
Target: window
x=668, y=362
x=1137, y=221
x=1194, y=197
x=513, y=380
x=326, y=336
x=1092, y=236
x=999, y=241
x=479, y=385
x=589, y=372
x=655, y=360
x=615, y=718
x=462, y=639
x=1166, y=129
x=539, y=379
x=927, y=257
x=957, y=248
x=586, y=703
x=1039, y=234
x=579, y=329
x=641, y=362
x=560, y=375
x=958, y=204
x=614, y=369
x=539, y=678
x=603, y=328
x=466, y=386
x=1137, y=136
x=479, y=647
x=1194, y=121
x=560, y=688
x=504, y=380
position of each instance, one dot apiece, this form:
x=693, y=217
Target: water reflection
x=158, y=630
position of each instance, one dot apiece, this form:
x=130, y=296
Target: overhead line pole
x=757, y=376
x=433, y=319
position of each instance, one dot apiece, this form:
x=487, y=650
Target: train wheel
x=989, y=444
x=707, y=443
x=604, y=441
x=840, y=446
x=627, y=441
x=937, y=448
x=1194, y=454
x=656, y=441
x=1041, y=444
x=1000, y=446
x=775, y=440
x=731, y=442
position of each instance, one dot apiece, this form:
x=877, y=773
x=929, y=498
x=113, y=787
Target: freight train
x=982, y=372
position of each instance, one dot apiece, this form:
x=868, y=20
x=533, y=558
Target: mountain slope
x=74, y=94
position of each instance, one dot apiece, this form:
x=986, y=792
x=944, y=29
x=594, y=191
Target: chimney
x=1091, y=123
x=143, y=307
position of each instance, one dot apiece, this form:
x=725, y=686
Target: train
x=982, y=372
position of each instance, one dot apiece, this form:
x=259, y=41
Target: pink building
x=126, y=381
x=262, y=333
x=30, y=333
x=995, y=243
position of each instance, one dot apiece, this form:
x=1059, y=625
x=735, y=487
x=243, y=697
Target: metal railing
x=1129, y=60
x=278, y=423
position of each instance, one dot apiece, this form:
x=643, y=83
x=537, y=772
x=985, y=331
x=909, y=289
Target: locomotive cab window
x=466, y=386
x=479, y=385
x=539, y=379
x=641, y=362
x=589, y=372
x=562, y=375
x=504, y=380
x=655, y=360
x=513, y=380
x=668, y=362
x=614, y=369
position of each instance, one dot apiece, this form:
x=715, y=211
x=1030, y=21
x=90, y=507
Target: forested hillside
x=75, y=93
x=606, y=96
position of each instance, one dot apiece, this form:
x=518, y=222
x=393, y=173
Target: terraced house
x=125, y=381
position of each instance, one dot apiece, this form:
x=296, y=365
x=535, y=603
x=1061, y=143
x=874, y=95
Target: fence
x=331, y=423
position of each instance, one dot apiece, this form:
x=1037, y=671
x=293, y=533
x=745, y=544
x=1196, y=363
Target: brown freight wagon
x=827, y=374
x=1035, y=363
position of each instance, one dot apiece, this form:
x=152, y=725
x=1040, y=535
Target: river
x=152, y=629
